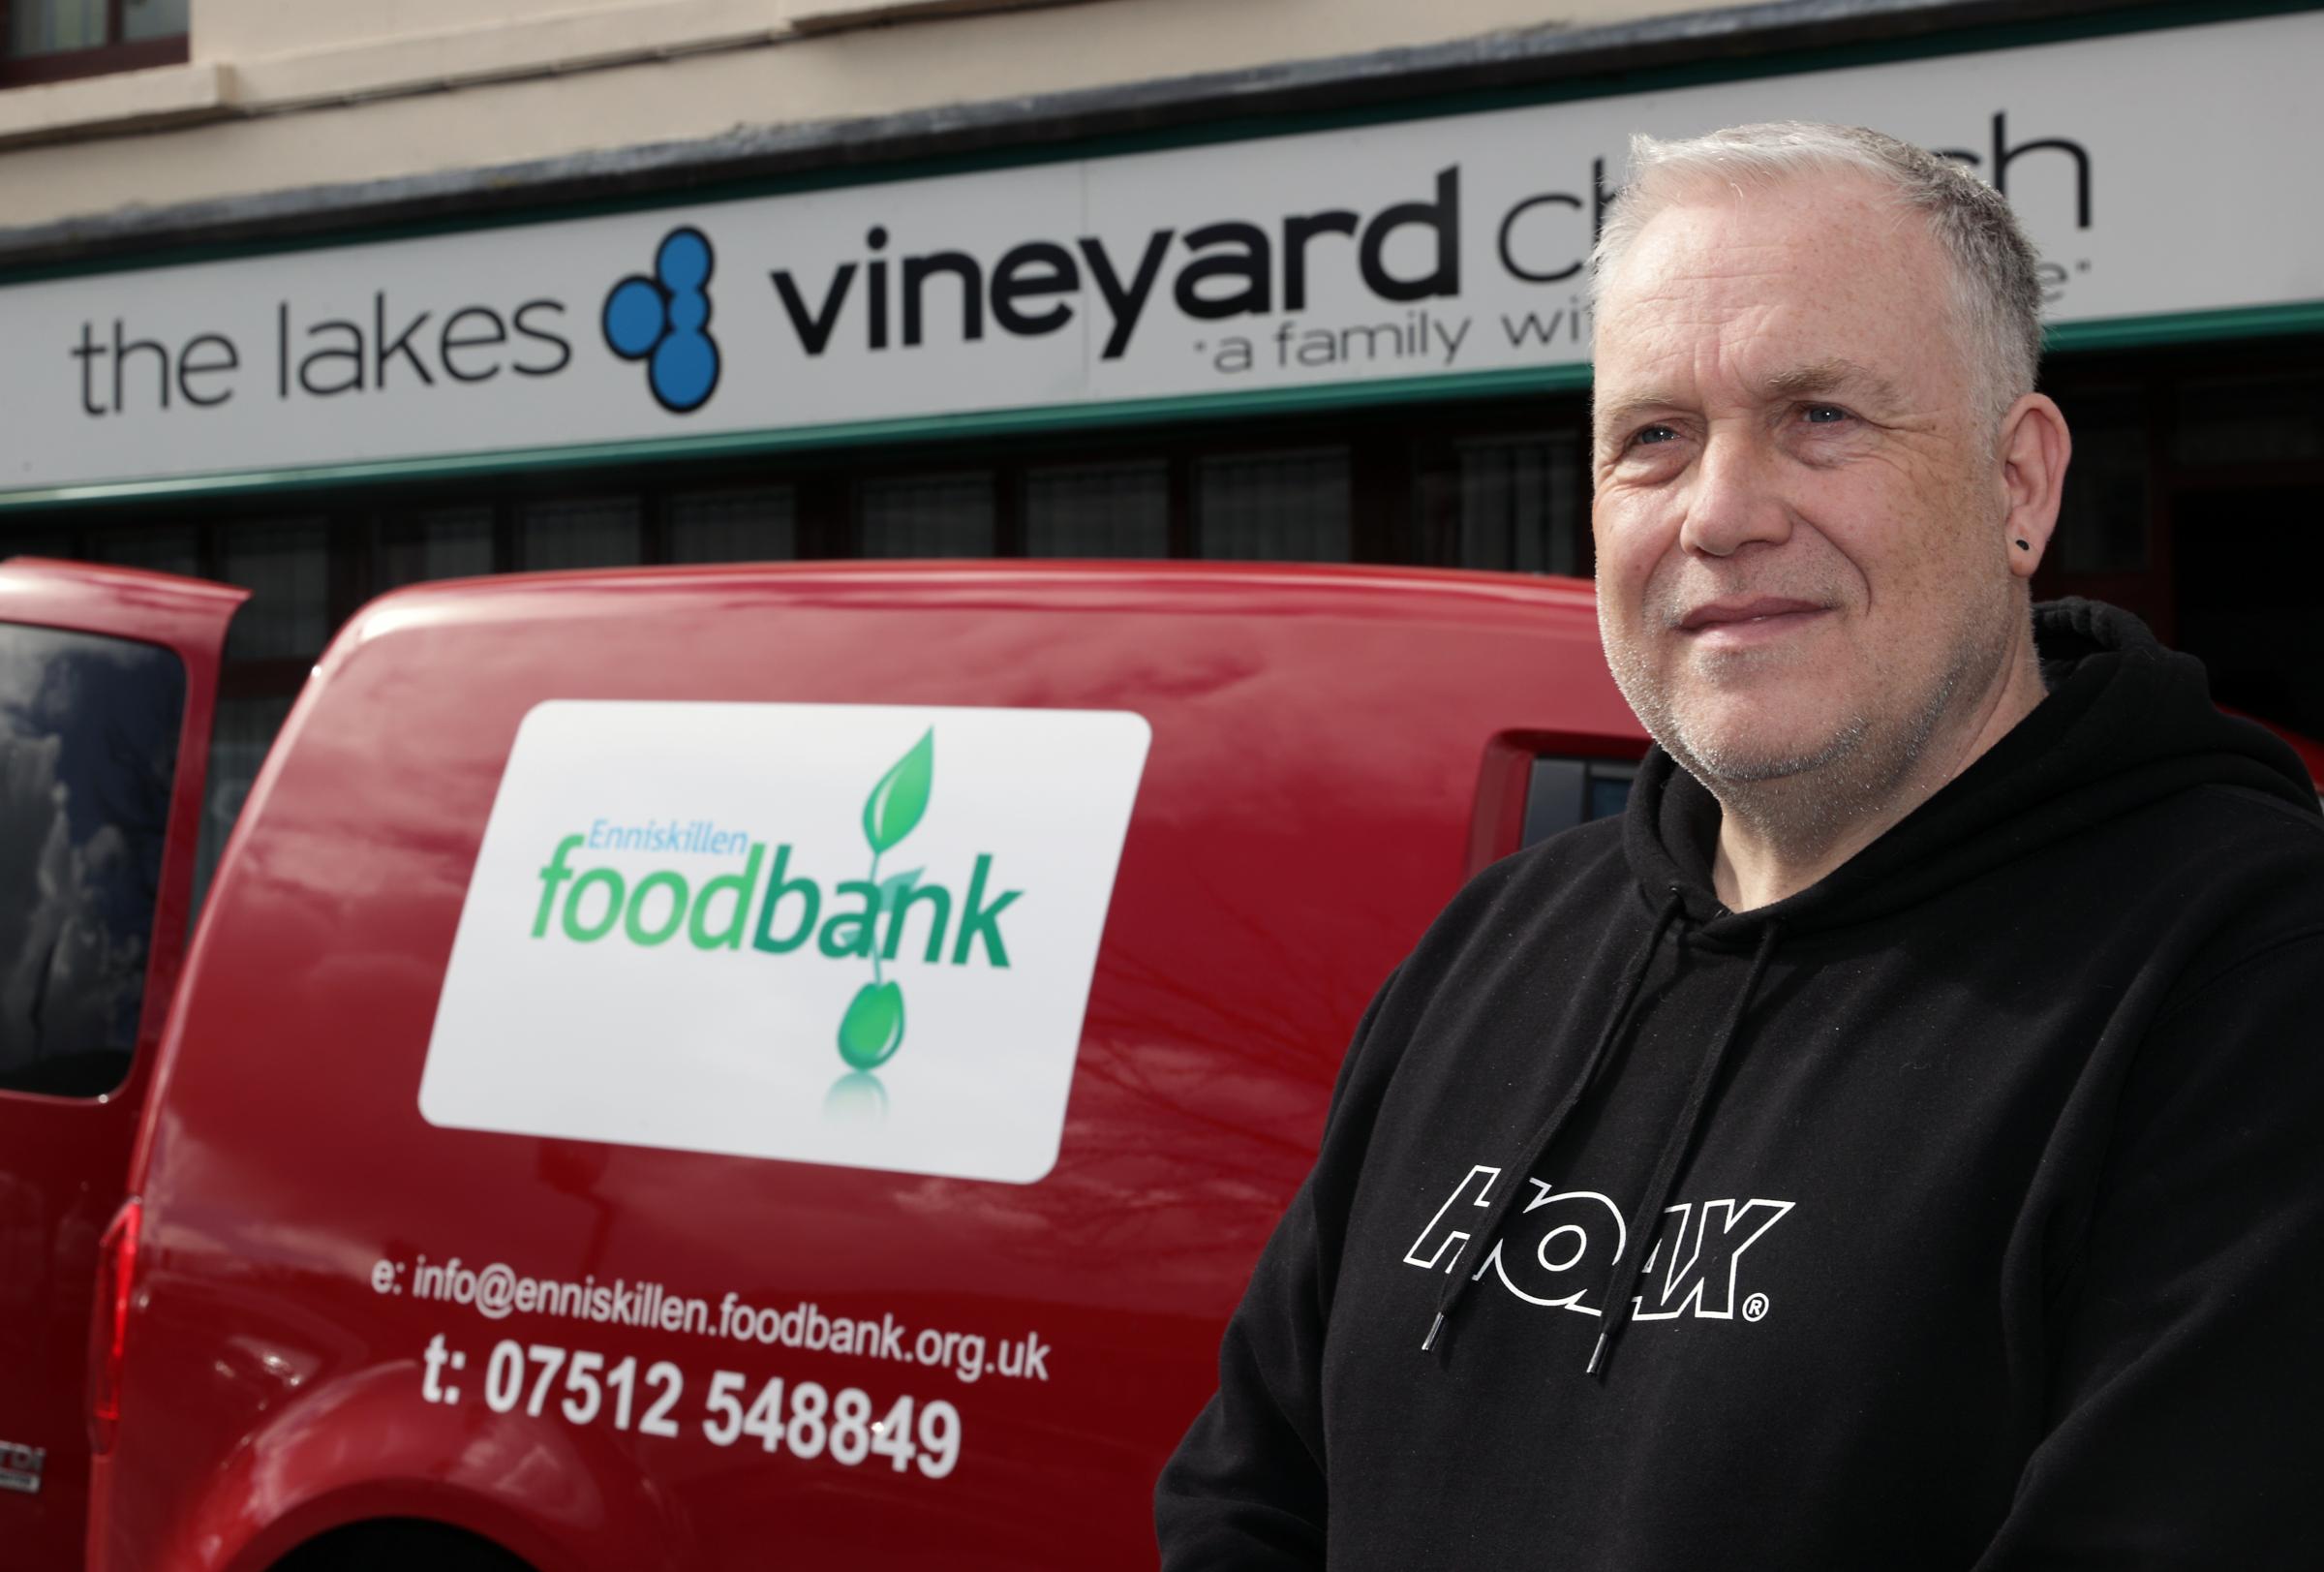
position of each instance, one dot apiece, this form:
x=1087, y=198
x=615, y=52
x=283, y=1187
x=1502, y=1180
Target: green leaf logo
x=897, y=803
x=873, y=1028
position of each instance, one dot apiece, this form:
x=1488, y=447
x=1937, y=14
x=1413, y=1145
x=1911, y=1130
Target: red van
x=107, y=683
x=727, y=1067
x=762, y=1067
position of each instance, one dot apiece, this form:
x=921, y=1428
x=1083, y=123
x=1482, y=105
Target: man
x=1894, y=1143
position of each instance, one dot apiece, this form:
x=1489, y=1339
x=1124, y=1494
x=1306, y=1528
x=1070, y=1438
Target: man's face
x=1799, y=513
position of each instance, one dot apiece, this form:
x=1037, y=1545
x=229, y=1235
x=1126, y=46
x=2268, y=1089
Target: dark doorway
x=2250, y=571
x=2197, y=500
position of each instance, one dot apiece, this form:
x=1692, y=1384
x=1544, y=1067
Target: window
x=930, y=515
x=1568, y=791
x=1514, y=503
x=1290, y=507
x=287, y=568
x=752, y=524
x=2102, y=521
x=88, y=755
x=167, y=551
x=1097, y=510
x=2269, y=418
x=45, y=41
x=437, y=542
x=581, y=531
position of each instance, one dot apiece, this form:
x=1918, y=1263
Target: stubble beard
x=1802, y=800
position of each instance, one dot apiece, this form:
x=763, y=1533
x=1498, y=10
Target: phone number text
x=802, y=1418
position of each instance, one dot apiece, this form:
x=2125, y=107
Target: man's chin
x=1744, y=755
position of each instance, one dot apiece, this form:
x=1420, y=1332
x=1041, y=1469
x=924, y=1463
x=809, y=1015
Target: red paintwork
x=63, y=1161
x=1334, y=751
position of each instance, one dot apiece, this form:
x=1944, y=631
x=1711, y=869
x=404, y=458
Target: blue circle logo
x=664, y=321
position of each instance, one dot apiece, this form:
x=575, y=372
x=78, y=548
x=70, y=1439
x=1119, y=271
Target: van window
x=1568, y=791
x=88, y=751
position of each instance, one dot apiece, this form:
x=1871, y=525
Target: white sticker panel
x=855, y=934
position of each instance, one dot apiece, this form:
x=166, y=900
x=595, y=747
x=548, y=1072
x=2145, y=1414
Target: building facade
x=323, y=300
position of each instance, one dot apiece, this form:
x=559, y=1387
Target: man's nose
x=1734, y=498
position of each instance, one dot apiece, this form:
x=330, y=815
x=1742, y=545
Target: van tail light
x=109, y=1325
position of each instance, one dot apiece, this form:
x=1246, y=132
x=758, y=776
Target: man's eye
x=1646, y=436
x=1823, y=415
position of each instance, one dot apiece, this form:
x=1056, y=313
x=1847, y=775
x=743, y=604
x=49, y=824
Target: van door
x=108, y=681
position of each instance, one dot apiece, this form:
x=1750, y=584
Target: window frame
x=100, y=60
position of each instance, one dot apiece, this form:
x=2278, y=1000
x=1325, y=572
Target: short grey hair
x=1997, y=288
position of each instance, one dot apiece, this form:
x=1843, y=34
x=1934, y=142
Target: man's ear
x=2035, y=451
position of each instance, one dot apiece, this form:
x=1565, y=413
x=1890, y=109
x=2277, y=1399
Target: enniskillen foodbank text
x=658, y=906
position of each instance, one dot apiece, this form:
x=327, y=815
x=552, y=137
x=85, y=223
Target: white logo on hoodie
x=1560, y=1245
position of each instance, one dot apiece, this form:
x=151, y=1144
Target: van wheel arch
x=401, y=1545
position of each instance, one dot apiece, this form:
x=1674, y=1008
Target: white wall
x=289, y=93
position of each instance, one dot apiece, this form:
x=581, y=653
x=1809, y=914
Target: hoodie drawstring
x=1619, y=1307
x=1485, y=1236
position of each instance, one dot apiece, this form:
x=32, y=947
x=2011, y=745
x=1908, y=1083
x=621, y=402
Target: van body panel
x=64, y=1158
x=361, y=1454
x=1321, y=746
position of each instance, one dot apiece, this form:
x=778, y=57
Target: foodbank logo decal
x=783, y=910
x=664, y=321
x=866, y=939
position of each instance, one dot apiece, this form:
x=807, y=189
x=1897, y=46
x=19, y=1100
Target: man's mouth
x=1750, y=619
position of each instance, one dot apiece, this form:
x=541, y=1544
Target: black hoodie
x=1964, y=1210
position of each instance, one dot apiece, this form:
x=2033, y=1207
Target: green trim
x=1249, y=127
x=2186, y=327
x=791, y=439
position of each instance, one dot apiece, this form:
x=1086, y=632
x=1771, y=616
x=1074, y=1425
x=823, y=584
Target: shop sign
x=2159, y=172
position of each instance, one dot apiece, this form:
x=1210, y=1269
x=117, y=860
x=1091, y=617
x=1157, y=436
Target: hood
x=2126, y=723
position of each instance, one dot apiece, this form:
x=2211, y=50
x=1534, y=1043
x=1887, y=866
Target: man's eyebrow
x=1833, y=376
